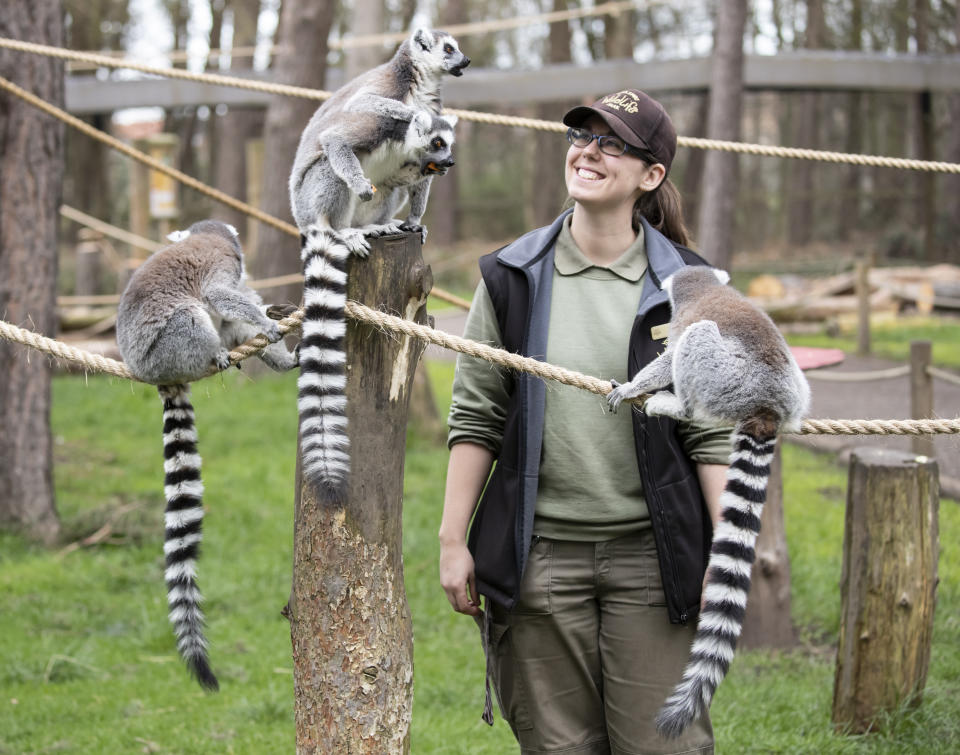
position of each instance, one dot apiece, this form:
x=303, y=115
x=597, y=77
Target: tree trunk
x=349, y=619
x=720, y=179
x=547, y=190
x=31, y=177
x=236, y=127
x=888, y=587
x=806, y=124
x=304, y=28
x=442, y=217
x=767, y=623
x=951, y=195
x=849, y=206
x=923, y=136
x=365, y=18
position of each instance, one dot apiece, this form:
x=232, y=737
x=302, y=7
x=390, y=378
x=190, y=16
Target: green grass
x=892, y=340
x=87, y=662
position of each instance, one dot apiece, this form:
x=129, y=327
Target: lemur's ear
x=722, y=275
x=667, y=285
x=422, y=37
x=421, y=123
x=232, y=230
x=177, y=236
x=451, y=119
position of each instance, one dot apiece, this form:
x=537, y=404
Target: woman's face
x=600, y=181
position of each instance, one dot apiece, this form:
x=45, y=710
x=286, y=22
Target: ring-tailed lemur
x=346, y=150
x=729, y=365
x=181, y=313
x=324, y=444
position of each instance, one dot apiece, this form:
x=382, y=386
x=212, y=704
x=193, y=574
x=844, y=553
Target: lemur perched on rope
x=180, y=315
x=378, y=140
x=729, y=365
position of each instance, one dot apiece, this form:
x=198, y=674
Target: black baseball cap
x=636, y=118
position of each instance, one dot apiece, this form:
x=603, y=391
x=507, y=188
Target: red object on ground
x=810, y=358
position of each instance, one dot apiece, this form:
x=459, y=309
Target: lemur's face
x=432, y=137
x=438, y=51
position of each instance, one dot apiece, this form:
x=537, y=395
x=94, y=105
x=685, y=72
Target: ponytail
x=663, y=209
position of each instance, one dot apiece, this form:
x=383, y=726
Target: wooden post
x=862, y=288
x=921, y=393
x=89, y=257
x=888, y=587
x=767, y=623
x=349, y=620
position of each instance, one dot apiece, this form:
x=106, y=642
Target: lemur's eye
x=438, y=143
x=448, y=48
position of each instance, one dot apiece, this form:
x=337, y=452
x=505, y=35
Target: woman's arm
x=713, y=479
x=467, y=473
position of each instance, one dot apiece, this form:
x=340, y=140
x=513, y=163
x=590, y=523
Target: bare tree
x=302, y=61
x=366, y=18
x=952, y=182
x=849, y=205
x=546, y=191
x=31, y=176
x=718, y=201
x=240, y=124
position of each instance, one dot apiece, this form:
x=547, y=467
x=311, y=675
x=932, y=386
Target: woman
x=591, y=538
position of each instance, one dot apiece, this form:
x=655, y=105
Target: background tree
x=234, y=129
x=31, y=175
x=301, y=61
x=718, y=200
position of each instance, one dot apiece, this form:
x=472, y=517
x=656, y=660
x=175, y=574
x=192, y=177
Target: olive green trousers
x=588, y=655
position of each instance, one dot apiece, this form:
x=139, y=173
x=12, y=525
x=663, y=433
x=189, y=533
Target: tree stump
x=767, y=623
x=349, y=619
x=890, y=551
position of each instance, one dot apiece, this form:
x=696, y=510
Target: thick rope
x=386, y=322
x=478, y=117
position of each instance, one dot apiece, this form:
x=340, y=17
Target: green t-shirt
x=589, y=487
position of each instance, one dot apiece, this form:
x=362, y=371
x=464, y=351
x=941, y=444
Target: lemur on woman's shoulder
x=729, y=366
x=182, y=312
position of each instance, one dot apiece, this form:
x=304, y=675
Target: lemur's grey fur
x=181, y=313
x=348, y=146
x=729, y=365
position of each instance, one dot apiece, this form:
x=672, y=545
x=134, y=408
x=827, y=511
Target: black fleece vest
x=501, y=532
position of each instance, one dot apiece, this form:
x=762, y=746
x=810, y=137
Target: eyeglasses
x=608, y=143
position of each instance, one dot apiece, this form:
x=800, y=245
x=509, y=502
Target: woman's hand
x=457, y=579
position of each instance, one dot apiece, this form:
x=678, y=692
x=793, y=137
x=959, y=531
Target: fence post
x=349, y=619
x=888, y=586
x=921, y=393
x=88, y=263
x=862, y=288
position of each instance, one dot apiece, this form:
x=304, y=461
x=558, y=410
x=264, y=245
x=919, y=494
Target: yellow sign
x=657, y=332
x=163, y=189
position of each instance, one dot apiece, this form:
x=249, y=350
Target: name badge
x=659, y=332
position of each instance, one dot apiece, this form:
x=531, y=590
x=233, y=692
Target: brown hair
x=663, y=209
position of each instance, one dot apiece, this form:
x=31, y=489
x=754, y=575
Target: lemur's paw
x=375, y=231
x=411, y=227
x=222, y=359
x=619, y=393
x=279, y=311
x=272, y=332
x=355, y=241
x=365, y=191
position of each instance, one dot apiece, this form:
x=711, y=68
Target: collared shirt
x=589, y=487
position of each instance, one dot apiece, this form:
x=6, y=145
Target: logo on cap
x=622, y=100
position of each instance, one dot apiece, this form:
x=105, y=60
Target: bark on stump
x=349, y=619
x=888, y=587
x=767, y=623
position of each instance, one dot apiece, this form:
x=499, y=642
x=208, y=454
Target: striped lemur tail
x=183, y=523
x=321, y=397
x=728, y=582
